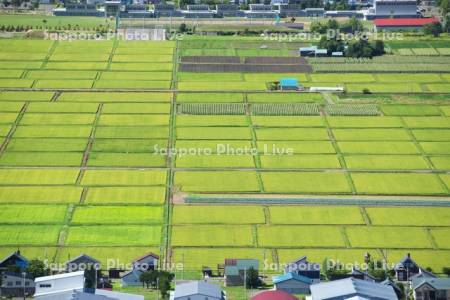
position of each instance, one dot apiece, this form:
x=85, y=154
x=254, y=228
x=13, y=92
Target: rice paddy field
x=108, y=149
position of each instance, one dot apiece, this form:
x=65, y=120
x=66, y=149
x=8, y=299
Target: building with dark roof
x=303, y=267
x=15, y=259
x=406, y=268
x=82, y=262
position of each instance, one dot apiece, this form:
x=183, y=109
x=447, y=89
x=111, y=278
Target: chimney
x=408, y=255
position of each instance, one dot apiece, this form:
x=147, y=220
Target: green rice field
x=117, y=153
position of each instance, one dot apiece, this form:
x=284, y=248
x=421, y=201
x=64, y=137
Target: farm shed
x=289, y=84
x=235, y=270
x=292, y=283
x=403, y=24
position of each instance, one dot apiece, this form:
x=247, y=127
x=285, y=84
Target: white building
x=392, y=8
x=70, y=286
x=51, y=287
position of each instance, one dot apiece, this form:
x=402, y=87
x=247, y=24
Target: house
x=292, y=283
x=146, y=262
x=352, y=288
x=406, y=268
x=273, y=295
x=141, y=264
x=69, y=286
x=235, y=270
x=431, y=288
x=197, y=290
x=15, y=259
x=13, y=284
x=81, y=263
x=303, y=267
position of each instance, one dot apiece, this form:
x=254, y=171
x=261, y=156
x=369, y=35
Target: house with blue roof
x=429, y=288
x=292, y=283
x=15, y=259
x=352, y=288
x=302, y=266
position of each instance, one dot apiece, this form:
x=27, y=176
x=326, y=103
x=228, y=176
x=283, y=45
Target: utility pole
x=245, y=283
x=23, y=284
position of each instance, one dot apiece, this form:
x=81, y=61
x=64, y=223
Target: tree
x=318, y=27
x=434, y=29
x=332, y=24
x=444, y=5
x=378, y=47
x=149, y=278
x=331, y=44
x=376, y=270
x=252, y=279
x=37, y=268
x=164, y=280
x=182, y=28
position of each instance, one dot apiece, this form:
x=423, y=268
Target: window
x=18, y=283
x=9, y=283
x=27, y=283
x=45, y=285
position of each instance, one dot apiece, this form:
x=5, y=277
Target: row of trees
x=21, y=3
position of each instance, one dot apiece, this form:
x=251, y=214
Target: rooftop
x=197, y=287
x=353, y=287
x=404, y=22
x=289, y=276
